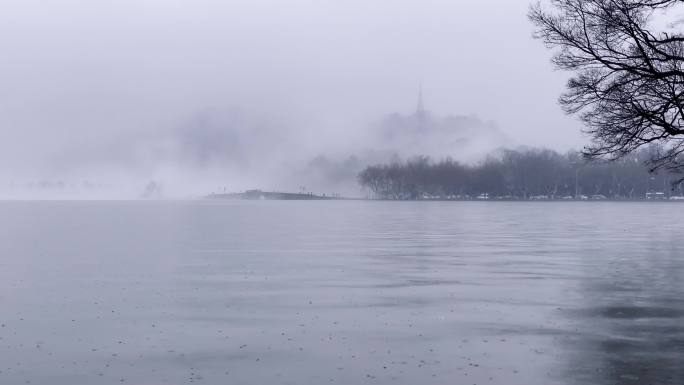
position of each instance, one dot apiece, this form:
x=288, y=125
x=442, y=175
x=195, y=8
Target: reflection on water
x=635, y=311
x=341, y=292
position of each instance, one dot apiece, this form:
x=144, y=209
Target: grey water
x=341, y=292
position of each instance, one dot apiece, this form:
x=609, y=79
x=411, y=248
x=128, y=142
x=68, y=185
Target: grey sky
x=80, y=71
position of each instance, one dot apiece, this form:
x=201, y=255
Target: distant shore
x=274, y=195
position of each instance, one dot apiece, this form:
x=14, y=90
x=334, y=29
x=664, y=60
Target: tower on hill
x=420, y=110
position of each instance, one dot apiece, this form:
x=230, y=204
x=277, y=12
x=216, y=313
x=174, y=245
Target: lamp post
x=577, y=169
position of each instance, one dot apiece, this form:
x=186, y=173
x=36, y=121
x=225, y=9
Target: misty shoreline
x=343, y=199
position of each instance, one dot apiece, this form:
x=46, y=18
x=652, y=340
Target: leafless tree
x=517, y=174
x=628, y=76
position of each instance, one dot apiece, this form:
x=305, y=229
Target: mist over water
x=483, y=248
x=218, y=150
x=253, y=292
x=101, y=99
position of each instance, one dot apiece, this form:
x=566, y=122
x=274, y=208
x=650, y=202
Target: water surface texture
x=344, y=292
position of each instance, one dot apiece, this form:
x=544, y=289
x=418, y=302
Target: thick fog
x=180, y=98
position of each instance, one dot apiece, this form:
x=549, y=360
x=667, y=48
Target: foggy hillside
x=230, y=149
x=99, y=100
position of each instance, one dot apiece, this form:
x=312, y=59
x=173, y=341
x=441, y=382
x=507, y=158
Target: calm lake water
x=343, y=292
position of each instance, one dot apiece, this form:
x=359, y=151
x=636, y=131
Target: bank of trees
x=519, y=174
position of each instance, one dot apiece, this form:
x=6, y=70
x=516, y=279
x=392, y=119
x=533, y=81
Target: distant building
x=655, y=196
x=462, y=137
x=421, y=113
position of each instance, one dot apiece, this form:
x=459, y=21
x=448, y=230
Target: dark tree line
x=520, y=174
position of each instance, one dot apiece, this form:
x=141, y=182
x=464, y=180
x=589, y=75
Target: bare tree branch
x=628, y=83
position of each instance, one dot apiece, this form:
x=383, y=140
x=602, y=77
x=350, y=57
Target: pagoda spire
x=420, y=110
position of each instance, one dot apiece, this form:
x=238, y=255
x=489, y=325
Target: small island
x=274, y=195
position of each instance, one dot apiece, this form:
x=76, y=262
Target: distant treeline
x=520, y=174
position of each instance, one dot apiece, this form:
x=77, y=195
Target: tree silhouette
x=628, y=81
x=524, y=173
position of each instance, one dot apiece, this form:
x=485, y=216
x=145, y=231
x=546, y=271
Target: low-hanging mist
x=231, y=149
x=100, y=99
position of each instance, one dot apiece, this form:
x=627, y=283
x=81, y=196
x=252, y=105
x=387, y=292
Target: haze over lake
x=343, y=292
